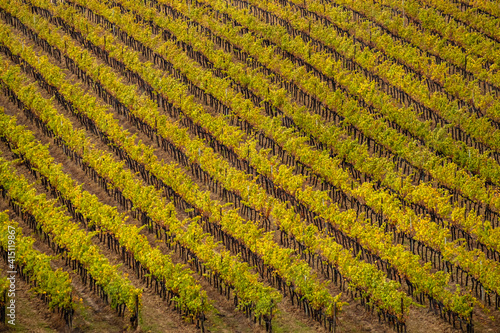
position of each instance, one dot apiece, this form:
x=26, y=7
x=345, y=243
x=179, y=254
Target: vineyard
x=250, y=165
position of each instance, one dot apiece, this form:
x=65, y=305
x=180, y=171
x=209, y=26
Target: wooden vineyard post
x=402, y=308
x=4, y=307
x=402, y=316
x=202, y=318
x=271, y=317
x=334, y=317
x=135, y=322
